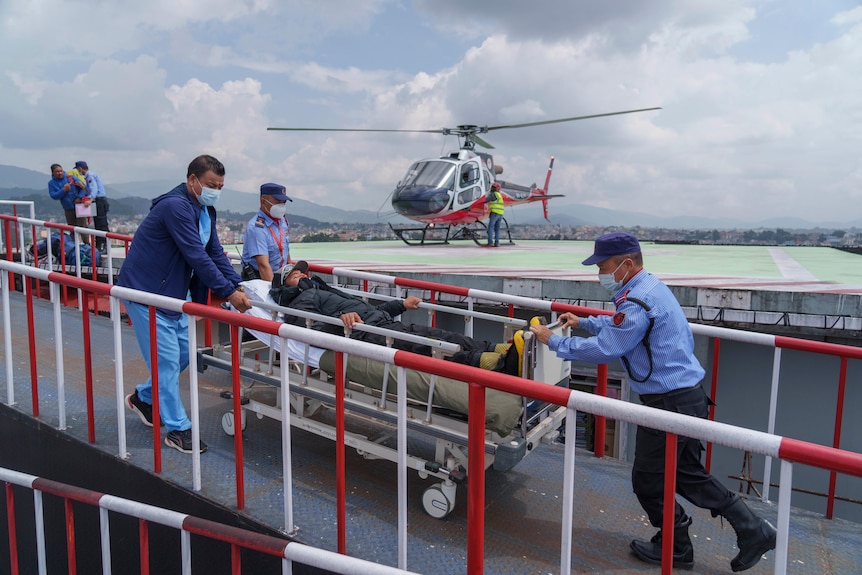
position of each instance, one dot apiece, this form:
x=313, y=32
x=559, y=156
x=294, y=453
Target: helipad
x=770, y=268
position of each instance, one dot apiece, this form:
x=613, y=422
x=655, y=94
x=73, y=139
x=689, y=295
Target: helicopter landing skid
x=440, y=235
x=479, y=233
x=422, y=235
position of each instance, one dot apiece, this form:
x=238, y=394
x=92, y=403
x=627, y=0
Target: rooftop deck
x=523, y=506
x=797, y=269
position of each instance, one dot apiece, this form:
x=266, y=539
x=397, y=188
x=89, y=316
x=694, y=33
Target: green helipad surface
x=809, y=269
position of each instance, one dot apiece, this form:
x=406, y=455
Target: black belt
x=653, y=398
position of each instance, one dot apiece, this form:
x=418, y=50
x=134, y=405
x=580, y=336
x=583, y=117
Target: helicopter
x=447, y=195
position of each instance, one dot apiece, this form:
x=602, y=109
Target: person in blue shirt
x=266, y=246
x=96, y=191
x=649, y=333
x=70, y=192
x=176, y=253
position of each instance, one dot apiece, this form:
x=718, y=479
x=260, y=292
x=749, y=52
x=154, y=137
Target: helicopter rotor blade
x=480, y=141
x=467, y=131
x=568, y=119
x=351, y=130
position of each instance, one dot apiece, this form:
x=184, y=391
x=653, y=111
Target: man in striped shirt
x=649, y=333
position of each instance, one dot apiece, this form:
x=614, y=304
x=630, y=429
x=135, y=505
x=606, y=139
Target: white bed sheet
x=258, y=290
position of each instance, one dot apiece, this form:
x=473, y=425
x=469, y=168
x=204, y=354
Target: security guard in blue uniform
x=266, y=246
x=650, y=334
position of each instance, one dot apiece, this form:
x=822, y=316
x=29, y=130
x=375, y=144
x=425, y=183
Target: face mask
x=208, y=196
x=609, y=283
x=277, y=211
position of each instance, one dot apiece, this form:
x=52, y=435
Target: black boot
x=683, y=552
x=754, y=535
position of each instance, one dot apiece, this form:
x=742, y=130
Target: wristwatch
x=240, y=288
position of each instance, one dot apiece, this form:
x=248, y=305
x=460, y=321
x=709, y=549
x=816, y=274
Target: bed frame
x=437, y=436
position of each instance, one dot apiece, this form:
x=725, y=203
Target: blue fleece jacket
x=67, y=199
x=167, y=249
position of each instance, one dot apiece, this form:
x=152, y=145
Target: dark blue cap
x=613, y=244
x=276, y=191
x=81, y=164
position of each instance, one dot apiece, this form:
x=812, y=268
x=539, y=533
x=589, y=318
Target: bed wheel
x=227, y=422
x=439, y=500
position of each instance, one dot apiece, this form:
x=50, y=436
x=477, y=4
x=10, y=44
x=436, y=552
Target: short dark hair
x=203, y=164
x=55, y=166
x=636, y=257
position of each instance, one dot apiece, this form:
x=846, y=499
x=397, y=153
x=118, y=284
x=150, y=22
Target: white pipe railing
x=758, y=442
x=186, y=524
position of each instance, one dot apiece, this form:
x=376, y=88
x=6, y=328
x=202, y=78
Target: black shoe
x=683, y=552
x=513, y=357
x=141, y=409
x=754, y=535
x=182, y=441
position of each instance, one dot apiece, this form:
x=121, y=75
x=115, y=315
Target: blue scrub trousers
x=173, y=338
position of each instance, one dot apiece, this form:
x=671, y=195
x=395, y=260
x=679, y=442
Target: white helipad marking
x=789, y=267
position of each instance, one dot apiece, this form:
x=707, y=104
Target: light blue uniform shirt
x=94, y=185
x=671, y=343
x=262, y=237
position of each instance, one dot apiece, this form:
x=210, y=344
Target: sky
x=761, y=110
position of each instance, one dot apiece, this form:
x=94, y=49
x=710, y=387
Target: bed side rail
x=505, y=320
x=443, y=346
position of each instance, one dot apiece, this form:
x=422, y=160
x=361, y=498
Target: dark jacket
x=314, y=295
x=167, y=258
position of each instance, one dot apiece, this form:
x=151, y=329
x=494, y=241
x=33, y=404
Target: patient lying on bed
x=502, y=409
x=293, y=288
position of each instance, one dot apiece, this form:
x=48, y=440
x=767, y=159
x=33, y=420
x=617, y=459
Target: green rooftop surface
x=779, y=267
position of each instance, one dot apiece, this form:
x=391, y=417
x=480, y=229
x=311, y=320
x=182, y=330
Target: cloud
x=744, y=130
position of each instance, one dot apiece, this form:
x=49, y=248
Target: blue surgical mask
x=609, y=283
x=208, y=196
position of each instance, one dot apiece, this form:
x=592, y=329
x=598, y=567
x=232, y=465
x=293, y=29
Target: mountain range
x=23, y=184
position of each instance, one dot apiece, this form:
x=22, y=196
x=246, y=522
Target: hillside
x=131, y=198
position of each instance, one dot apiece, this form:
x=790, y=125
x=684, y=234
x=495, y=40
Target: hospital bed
x=437, y=406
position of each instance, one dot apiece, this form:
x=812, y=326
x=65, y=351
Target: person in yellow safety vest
x=495, y=204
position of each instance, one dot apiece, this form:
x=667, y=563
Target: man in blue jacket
x=650, y=334
x=176, y=253
x=61, y=188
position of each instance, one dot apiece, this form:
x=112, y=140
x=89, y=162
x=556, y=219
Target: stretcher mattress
x=502, y=410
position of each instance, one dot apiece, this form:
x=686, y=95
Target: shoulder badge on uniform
x=260, y=223
x=621, y=298
x=618, y=318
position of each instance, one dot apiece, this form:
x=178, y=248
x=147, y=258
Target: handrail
x=437, y=307
x=289, y=551
x=789, y=450
x=443, y=346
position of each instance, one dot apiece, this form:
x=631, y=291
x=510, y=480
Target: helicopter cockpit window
x=434, y=174
x=469, y=174
x=486, y=176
